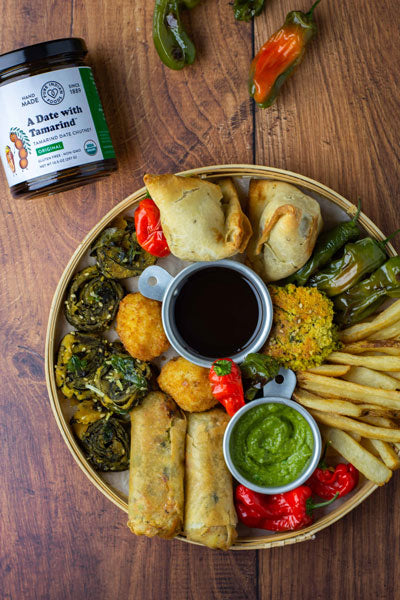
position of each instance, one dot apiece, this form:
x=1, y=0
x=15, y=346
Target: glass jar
x=53, y=132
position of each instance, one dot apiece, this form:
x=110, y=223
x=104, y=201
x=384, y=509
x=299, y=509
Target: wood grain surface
x=336, y=121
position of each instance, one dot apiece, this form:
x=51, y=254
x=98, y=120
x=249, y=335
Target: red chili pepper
x=280, y=55
x=325, y=482
x=279, y=512
x=148, y=229
x=226, y=384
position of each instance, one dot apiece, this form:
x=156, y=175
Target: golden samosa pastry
x=200, y=220
x=285, y=225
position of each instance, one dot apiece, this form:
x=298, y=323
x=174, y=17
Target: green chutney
x=271, y=444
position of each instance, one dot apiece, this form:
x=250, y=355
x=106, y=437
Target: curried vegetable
x=121, y=382
x=357, y=260
x=88, y=412
x=79, y=357
x=280, y=55
x=327, y=245
x=366, y=297
x=172, y=43
x=245, y=10
x=106, y=444
x=257, y=370
x=118, y=253
x=92, y=300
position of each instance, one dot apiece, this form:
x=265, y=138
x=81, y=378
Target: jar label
x=50, y=122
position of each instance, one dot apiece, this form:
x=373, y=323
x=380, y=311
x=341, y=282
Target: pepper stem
x=355, y=218
x=310, y=12
x=322, y=464
x=310, y=506
x=391, y=236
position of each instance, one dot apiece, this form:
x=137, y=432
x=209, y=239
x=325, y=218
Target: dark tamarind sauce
x=217, y=312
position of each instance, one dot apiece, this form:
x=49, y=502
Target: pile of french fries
x=355, y=396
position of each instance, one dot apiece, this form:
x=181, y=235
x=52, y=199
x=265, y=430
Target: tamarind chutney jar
x=53, y=132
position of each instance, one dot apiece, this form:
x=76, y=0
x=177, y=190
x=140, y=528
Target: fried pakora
x=303, y=333
x=187, y=384
x=139, y=325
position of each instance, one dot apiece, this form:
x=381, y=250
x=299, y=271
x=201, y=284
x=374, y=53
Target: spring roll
x=210, y=516
x=156, y=490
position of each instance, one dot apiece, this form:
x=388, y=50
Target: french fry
x=379, y=363
x=331, y=405
x=342, y=407
x=387, y=454
x=330, y=370
x=396, y=445
x=368, y=464
x=384, y=346
x=379, y=421
x=387, y=333
x=365, y=430
x=376, y=379
x=368, y=445
x=338, y=388
x=363, y=330
x=372, y=410
x=395, y=374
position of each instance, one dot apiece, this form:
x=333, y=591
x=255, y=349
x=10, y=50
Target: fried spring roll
x=210, y=516
x=156, y=490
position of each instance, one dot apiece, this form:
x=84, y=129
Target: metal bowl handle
x=154, y=282
x=282, y=386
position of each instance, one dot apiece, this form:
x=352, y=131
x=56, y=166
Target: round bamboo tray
x=316, y=189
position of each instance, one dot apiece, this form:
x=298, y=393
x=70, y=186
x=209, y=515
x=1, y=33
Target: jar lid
x=42, y=51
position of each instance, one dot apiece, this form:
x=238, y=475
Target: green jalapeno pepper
x=363, y=299
x=327, y=245
x=245, y=10
x=358, y=259
x=172, y=43
x=280, y=55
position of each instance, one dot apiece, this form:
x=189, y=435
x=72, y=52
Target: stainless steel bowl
x=311, y=466
x=156, y=283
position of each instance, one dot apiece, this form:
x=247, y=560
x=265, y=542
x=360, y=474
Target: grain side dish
x=303, y=333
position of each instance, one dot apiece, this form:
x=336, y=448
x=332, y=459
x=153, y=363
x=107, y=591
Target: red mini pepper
x=326, y=482
x=280, y=55
x=148, y=229
x=289, y=511
x=226, y=384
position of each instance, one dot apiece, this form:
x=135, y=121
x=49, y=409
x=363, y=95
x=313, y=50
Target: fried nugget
x=139, y=325
x=187, y=384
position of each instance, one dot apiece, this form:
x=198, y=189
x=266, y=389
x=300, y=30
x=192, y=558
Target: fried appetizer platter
x=210, y=516
x=156, y=495
x=285, y=225
x=200, y=220
x=187, y=384
x=348, y=379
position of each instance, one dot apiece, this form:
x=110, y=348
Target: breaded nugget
x=187, y=384
x=139, y=326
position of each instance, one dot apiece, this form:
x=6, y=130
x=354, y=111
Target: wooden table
x=336, y=121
